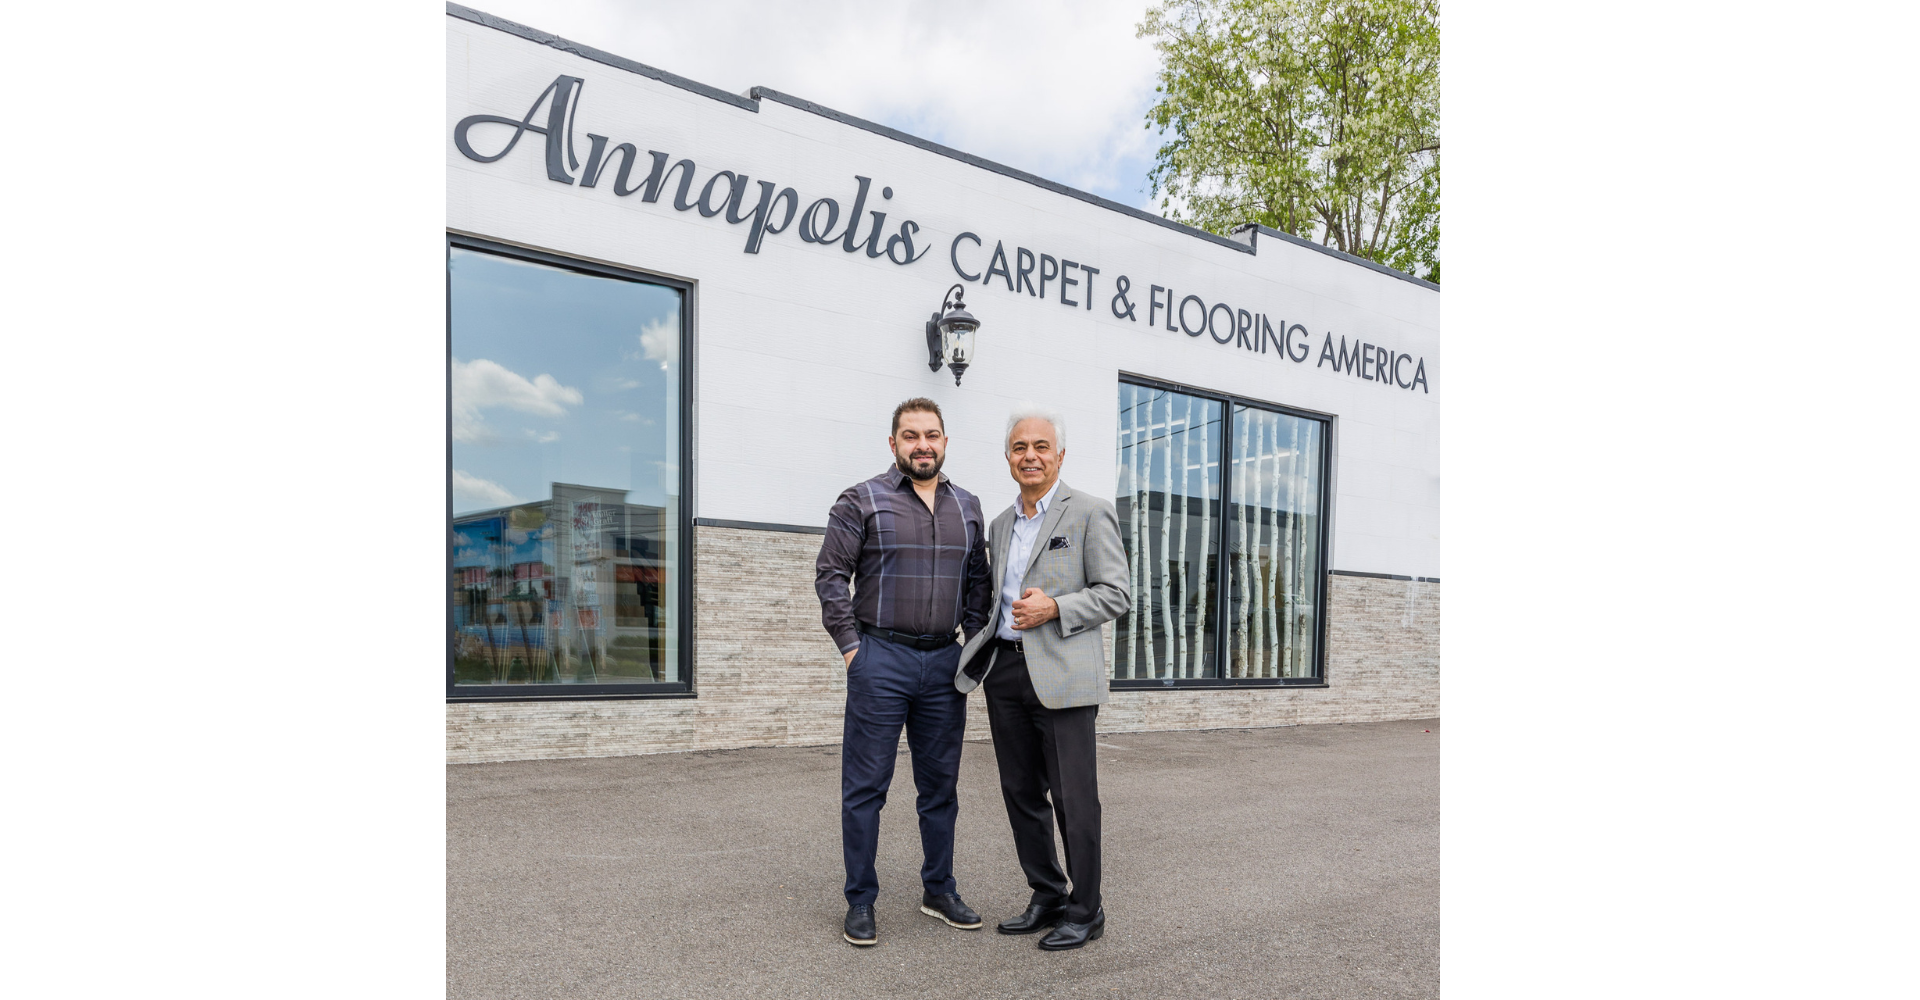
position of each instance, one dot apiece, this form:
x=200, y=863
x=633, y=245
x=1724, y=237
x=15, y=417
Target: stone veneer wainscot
x=768, y=675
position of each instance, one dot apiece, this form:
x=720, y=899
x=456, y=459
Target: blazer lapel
x=1060, y=499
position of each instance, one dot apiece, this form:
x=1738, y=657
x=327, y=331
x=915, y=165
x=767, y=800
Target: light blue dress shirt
x=1026, y=530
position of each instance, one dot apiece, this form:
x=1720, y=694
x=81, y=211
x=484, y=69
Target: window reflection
x=1169, y=509
x=1180, y=507
x=1273, y=560
x=565, y=475
x=573, y=589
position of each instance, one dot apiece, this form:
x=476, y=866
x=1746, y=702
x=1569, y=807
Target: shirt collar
x=1039, y=507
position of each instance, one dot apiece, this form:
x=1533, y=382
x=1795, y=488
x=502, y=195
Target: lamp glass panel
x=957, y=342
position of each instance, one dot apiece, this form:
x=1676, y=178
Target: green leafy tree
x=1319, y=118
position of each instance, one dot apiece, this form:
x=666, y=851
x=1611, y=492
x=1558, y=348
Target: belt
x=905, y=639
x=1017, y=645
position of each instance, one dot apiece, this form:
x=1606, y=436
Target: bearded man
x=903, y=568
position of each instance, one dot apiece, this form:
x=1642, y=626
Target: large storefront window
x=568, y=555
x=1201, y=475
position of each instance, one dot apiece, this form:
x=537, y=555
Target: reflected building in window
x=575, y=589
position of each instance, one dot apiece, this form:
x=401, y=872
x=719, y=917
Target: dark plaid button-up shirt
x=890, y=562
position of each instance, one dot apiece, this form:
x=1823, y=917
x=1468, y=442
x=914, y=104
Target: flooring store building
x=679, y=320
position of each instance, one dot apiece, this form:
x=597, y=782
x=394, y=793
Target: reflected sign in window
x=565, y=475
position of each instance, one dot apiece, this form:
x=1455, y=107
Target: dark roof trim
x=1384, y=576
x=763, y=93
x=998, y=168
x=1331, y=252
x=604, y=58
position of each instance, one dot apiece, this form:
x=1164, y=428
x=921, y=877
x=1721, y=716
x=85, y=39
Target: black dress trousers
x=1046, y=752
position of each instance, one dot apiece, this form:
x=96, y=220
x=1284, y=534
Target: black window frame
x=683, y=688
x=1222, y=571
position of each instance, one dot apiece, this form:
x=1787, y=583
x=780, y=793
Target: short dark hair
x=918, y=404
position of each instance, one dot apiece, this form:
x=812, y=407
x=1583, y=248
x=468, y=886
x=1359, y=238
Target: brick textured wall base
x=767, y=675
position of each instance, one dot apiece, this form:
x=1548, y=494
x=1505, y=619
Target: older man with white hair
x=1061, y=570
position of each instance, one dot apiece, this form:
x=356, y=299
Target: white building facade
x=679, y=322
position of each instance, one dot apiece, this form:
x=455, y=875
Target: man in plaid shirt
x=903, y=566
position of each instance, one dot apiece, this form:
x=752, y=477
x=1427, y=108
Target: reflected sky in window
x=560, y=376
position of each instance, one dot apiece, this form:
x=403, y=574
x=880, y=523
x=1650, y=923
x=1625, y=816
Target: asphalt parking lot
x=1291, y=862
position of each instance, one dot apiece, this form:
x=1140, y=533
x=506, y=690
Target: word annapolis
x=777, y=209
x=770, y=214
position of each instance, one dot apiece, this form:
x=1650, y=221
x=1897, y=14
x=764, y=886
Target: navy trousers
x=890, y=685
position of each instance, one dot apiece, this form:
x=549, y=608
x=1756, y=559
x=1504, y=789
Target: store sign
x=772, y=212
x=775, y=209
x=1244, y=329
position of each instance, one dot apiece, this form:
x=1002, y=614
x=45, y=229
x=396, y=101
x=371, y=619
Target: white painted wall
x=803, y=350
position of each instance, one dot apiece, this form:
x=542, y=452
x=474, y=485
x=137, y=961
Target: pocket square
x=1057, y=542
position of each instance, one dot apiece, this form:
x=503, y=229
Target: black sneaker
x=859, y=928
x=948, y=907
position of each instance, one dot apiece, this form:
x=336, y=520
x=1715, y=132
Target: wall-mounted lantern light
x=950, y=334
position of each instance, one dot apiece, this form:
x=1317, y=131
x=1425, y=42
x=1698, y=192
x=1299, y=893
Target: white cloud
x=1058, y=89
x=467, y=429
x=483, y=492
x=481, y=384
x=660, y=342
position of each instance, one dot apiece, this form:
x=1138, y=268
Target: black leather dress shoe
x=948, y=907
x=859, y=929
x=1070, y=935
x=1037, y=918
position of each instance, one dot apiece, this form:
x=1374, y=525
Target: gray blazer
x=1086, y=576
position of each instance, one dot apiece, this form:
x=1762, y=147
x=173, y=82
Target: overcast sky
x=1057, y=88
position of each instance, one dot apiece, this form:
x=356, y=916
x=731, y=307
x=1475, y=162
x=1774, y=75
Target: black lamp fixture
x=950, y=334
